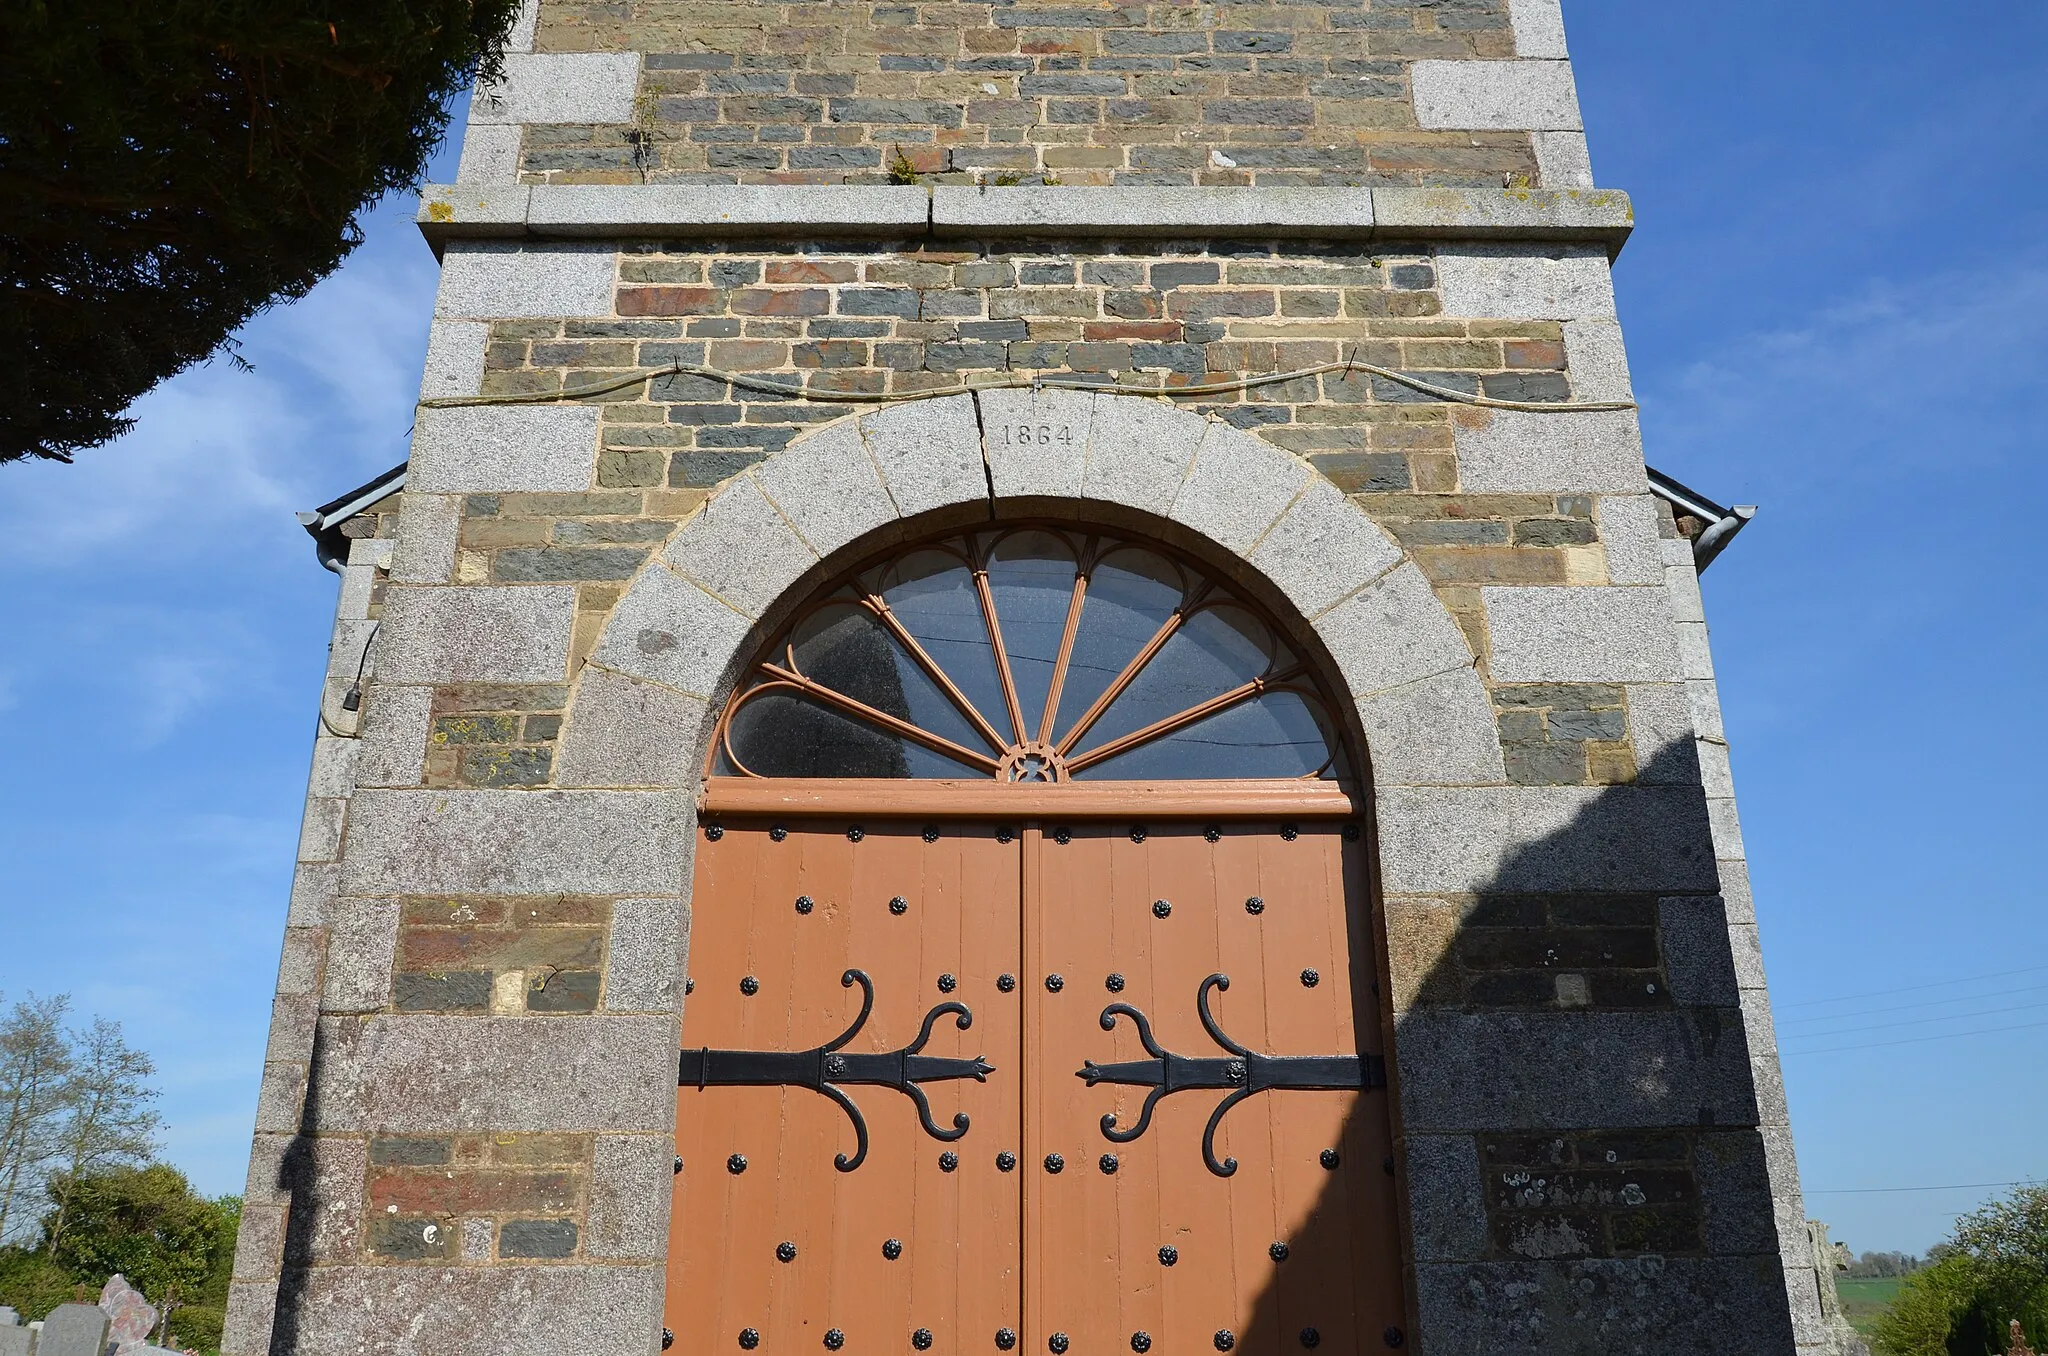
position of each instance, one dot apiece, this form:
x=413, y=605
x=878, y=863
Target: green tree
x=175, y=166
x=72, y=1102
x=110, y=1122
x=35, y=1074
x=1993, y=1270
x=150, y=1226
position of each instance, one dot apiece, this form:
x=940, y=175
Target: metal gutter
x=323, y=524
x=1722, y=523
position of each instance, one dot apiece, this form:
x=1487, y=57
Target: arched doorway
x=1028, y=855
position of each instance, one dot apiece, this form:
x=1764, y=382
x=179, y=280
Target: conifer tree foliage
x=168, y=168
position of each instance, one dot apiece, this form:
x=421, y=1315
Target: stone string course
x=1283, y=93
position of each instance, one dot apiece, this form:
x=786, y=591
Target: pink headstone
x=130, y=1319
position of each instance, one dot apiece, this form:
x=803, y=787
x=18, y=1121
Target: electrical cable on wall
x=754, y=383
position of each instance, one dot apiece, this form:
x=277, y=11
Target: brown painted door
x=772, y=1246
x=1295, y=1248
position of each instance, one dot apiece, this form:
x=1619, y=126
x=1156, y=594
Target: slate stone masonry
x=1284, y=93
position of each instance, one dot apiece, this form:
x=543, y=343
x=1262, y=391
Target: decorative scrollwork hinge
x=1242, y=1071
x=824, y=1068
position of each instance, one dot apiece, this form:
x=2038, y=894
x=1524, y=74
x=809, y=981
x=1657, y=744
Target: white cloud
x=1941, y=366
x=219, y=450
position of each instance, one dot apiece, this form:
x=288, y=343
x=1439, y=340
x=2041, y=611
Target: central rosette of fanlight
x=1034, y=762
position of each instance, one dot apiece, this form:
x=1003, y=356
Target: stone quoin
x=1298, y=317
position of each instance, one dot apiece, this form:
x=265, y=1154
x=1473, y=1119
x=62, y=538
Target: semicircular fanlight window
x=1029, y=654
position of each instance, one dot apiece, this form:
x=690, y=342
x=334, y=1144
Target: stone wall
x=1469, y=93
x=465, y=1134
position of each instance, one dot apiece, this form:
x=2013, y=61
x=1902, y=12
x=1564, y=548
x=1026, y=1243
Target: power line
x=1915, y=1021
x=1908, y=1007
x=1915, y=1040
x=1914, y=988
x=1959, y=1186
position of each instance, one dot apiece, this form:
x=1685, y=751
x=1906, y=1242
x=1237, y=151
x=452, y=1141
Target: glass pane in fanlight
x=1276, y=734
x=933, y=595
x=1215, y=650
x=1130, y=595
x=848, y=649
x=786, y=734
x=1031, y=575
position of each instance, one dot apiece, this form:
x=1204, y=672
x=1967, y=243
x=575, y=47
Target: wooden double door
x=955, y=1087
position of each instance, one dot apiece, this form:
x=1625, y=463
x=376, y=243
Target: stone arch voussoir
x=675, y=643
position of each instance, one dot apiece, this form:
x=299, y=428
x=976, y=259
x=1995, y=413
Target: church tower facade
x=1026, y=691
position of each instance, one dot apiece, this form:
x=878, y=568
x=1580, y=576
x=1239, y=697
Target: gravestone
x=15, y=1340
x=130, y=1317
x=74, y=1330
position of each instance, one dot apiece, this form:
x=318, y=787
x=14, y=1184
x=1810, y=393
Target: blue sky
x=1837, y=307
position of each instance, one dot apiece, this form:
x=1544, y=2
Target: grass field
x=1864, y=1300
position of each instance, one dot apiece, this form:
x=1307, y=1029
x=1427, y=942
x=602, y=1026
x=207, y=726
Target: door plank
x=957, y=1274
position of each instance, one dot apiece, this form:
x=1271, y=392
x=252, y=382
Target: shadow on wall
x=298, y=1178
x=1579, y=1115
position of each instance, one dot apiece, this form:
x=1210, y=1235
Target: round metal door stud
x=834, y=1339
x=1055, y=1164
x=1289, y=833
x=931, y=833
x=1057, y=1344
x=750, y=986
x=1309, y=979
x=947, y=984
x=777, y=834
x=785, y=1251
x=804, y=904
x=1063, y=836
x=679, y=1162
x=948, y=1161
x=899, y=906
x=1005, y=983
x=1005, y=834
x=922, y=1339
x=668, y=1339
x=1394, y=1337
x=1137, y=833
x=1311, y=1339
x=714, y=833
x=1115, y=984
x=1168, y=1255
x=1330, y=1159
x=1006, y=1338
x=689, y=986
x=892, y=1249
x=855, y=834
x=736, y=1165
x=1141, y=1342
x=1213, y=834
x=1108, y=1164
x=1278, y=1252
x=1225, y=1339
x=1053, y=984
x=1162, y=909
x=1005, y=1161
x=835, y=1066
x=749, y=1339
x=1255, y=906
